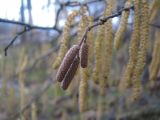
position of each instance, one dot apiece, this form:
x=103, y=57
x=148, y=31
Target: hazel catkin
x=125, y=81
x=155, y=63
x=139, y=67
x=66, y=63
x=122, y=28
x=70, y=73
x=84, y=55
x=65, y=39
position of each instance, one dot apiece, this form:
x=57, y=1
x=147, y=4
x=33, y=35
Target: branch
x=28, y=25
x=27, y=28
x=75, y=3
x=13, y=40
x=103, y=20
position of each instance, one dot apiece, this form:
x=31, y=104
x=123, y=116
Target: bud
x=70, y=73
x=66, y=63
x=84, y=55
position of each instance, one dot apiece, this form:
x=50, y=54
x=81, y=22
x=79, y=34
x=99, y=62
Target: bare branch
x=103, y=20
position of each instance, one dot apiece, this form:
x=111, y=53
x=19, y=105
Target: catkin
x=66, y=63
x=70, y=73
x=97, y=50
x=107, y=47
x=34, y=111
x=83, y=89
x=122, y=27
x=82, y=26
x=139, y=67
x=85, y=72
x=22, y=65
x=155, y=63
x=125, y=81
x=65, y=39
x=84, y=55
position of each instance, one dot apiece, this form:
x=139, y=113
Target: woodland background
x=27, y=78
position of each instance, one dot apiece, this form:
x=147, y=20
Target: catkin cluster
x=65, y=39
x=125, y=81
x=122, y=27
x=155, y=63
x=83, y=54
x=139, y=67
x=70, y=61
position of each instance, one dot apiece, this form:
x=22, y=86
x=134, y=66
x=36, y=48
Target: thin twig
x=28, y=25
x=26, y=29
x=102, y=21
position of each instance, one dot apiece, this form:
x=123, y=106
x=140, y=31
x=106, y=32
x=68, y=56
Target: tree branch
x=103, y=20
x=27, y=28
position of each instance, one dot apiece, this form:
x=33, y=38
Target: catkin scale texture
x=122, y=28
x=155, y=63
x=66, y=63
x=84, y=55
x=70, y=73
x=125, y=81
x=139, y=67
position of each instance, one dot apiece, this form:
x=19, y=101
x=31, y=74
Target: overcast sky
x=10, y=9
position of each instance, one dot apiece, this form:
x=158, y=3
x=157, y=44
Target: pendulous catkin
x=65, y=39
x=66, y=63
x=83, y=89
x=122, y=27
x=97, y=50
x=70, y=73
x=139, y=67
x=107, y=48
x=125, y=81
x=155, y=63
x=84, y=55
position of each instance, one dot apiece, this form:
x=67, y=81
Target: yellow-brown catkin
x=84, y=55
x=97, y=50
x=90, y=40
x=34, y=111
x=125, y=81
x=66, y=63
x=122, y=27
x=139, y=67
x=154, y=8
x=106, y=58
x=70, y=73
x=107, y=48
x=82, y=26
x=22, y=65
x=155, y=63
x=65, y=39
x=83, y=89
x=85, y=74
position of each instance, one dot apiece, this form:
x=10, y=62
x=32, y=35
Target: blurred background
x=27, y=68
